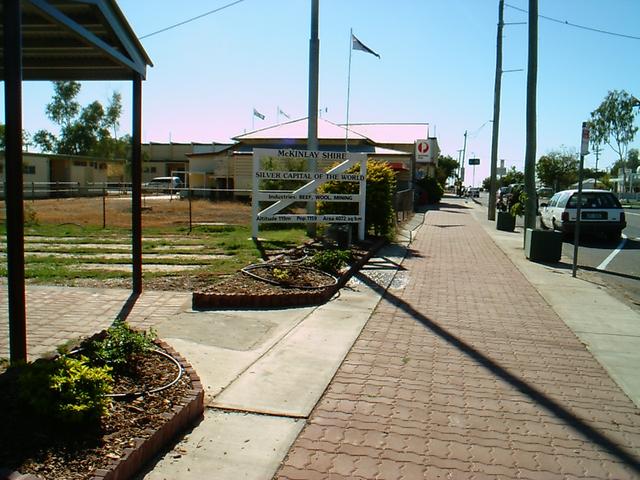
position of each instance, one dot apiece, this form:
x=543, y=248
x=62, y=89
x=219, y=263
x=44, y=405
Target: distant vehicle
x=544, y=192
x=600, y=212
x=474, y=192
x=163, y=185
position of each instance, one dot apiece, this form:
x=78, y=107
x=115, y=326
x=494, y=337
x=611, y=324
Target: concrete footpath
x=449, y=356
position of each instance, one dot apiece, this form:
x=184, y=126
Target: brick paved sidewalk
x=58, y=314
x=467, y=373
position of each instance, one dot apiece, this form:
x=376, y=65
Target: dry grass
x=157, y=211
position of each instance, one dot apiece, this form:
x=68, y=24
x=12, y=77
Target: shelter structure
x=62, y=40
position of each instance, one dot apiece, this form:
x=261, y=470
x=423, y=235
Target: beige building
x=230, y=168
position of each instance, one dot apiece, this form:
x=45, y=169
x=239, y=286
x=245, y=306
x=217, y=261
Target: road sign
x=474, y=161
x=584, y=146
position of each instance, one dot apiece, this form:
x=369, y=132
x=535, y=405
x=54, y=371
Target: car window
x=594, y=200
x=562, y=200
x=553, y=200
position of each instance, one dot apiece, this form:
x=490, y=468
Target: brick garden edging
x=134, y=459
x=204, y=300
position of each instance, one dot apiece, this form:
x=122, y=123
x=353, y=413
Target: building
x=230, y=168
x=170, y=159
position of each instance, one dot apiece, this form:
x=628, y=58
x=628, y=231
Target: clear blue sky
x=437, y=66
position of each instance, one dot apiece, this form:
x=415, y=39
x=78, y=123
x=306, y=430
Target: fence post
x=190, y=214
x=104, y=206
x=33, y=192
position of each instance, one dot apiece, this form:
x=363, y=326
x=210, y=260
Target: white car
x=600, y=212
x=163, y=185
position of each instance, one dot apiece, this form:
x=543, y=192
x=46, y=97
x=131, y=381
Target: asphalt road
x=613, y=264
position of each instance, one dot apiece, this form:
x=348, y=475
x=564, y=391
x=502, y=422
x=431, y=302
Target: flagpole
x=346, y=140
x=253, y=120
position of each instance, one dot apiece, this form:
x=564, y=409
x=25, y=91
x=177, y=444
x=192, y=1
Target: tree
x=26, y=138
x=512, y=176
x=446, y=168
x=83, y=131
x=558, y=169
x=612, y=123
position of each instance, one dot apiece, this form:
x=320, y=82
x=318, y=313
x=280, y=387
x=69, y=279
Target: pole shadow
x=526, y=389
x=126, y=309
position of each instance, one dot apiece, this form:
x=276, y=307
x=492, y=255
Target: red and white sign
x=584, y=145
x=426, y=150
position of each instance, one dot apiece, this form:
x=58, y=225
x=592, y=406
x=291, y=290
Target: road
x=614, y=265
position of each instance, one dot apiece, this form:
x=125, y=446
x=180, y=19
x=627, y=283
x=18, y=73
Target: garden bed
x=135, y=430
x=267, y=289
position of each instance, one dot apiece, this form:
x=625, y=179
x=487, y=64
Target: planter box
x=506, y=222
x=543, y=245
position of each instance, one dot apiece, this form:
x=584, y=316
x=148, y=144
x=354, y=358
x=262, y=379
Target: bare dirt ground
x=115, y=211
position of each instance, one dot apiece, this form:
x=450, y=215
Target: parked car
x=163, y=185
x=601, y=212
x=474, y=192
x=544, y=192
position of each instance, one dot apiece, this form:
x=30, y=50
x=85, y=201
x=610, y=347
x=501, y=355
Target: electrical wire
x=575, y=25
x=190, y=19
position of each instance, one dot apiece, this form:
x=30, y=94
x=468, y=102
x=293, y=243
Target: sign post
x=474, y=162
x=584, y=150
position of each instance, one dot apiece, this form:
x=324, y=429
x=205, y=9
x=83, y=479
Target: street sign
x=584, y=146
x=474, y=161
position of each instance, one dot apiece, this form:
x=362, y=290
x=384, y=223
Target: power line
x=190, y=19
x=583, y=27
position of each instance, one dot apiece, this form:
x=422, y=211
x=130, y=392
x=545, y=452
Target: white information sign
x=308, y=192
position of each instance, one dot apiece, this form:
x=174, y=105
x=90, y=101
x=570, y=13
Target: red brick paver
x=466, y=373
x=58, y=314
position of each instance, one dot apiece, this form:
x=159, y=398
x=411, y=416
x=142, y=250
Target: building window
x=29, y=169
x=78, y=163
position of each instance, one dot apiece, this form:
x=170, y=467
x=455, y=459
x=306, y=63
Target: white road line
x=620, y=246
x=631, y=213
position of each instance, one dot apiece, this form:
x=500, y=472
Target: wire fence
x=108, y=204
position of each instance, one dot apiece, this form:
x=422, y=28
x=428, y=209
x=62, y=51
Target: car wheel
x=614, y=235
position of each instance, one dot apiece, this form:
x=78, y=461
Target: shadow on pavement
x=530, y=391
x=125, y=311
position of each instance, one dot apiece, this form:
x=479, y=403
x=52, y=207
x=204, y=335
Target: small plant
x=330, y=261
x=517, y=202
x=281, y=274
x=66, y=389
x=119, y=347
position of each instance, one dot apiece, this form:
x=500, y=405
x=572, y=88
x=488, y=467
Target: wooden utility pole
x=493, y=185
x=530, y=153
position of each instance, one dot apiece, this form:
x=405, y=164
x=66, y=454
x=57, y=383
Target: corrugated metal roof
x=77, y=40
x=390, y=133
x=298, y=129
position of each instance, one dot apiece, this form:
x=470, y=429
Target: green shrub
x=66, y=389
x=381, y=184
x=330, y=261
x=119, y=347
x=432, y=188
